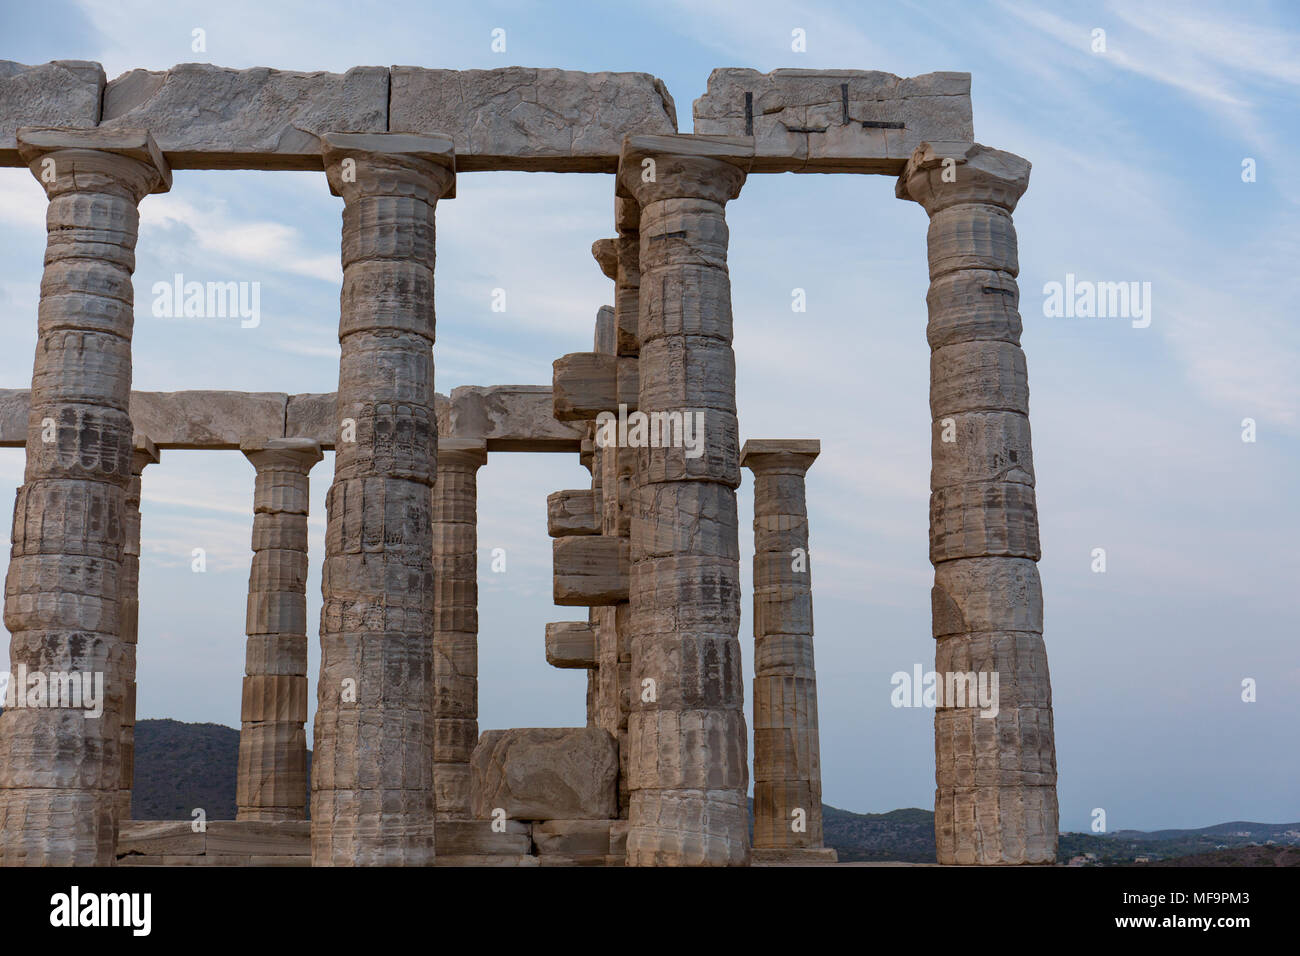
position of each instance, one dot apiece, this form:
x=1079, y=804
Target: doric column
x=272, y=778
x=787, y=755
x=455, y=630
x=688, y=746
x=995, y=766
x=60, y=770
x=143, y=453
x=372, y=771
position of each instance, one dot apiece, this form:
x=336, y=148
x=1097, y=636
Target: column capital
x=978, y=174
x=284, y=454
x=686, y=166
x=772, y=456
x=387, y=163
x=86, y=158
x=143, y=453
x=462, y=452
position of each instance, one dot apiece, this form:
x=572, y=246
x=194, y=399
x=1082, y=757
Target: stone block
x=62, y=93
x=571, y=513
x=590, y=570
x=571, y=644
x=530, y=119
x=547, y=773
x=211, y=117
x=858, y=121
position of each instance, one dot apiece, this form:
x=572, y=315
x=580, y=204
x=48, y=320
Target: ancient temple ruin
x=401, y=774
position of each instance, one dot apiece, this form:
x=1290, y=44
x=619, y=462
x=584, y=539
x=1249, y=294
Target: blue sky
x=1137, y=155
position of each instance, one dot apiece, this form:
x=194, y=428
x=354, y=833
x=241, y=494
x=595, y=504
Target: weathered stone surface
x=64, y=93
x=547, y=773
x=272, y=775
x=470, y=838
x=995, y=770
x=860, y=121
x=211, y=117
x=455, y=632
x=578, y=842
x=511, y=418
x=584, y=384
x=590, y=570
x=572, y=512
x=520, y=118
x=571, y=644
x=787, y=752
x=61, y=771
x=373, y=799
x=508, y=417
x=687, y=770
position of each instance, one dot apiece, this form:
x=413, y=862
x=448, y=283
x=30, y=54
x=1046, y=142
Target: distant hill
x=181, y=766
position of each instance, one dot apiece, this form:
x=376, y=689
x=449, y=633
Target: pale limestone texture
x=854, y=121
x=143, y=453
x=522, y=118
x=546, y=773
x=455, y=624
x=787, y=752
x=272, y=775
x=210, y=117
x=372, y=769
x=64, y=93
x=687, y=741
x=995, y=801
x=61, y=770
x=659, y=775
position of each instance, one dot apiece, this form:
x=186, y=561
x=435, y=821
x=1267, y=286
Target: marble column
x=455, y=631
x=372, y=772
x=787, y=754
x=60, y=770
x=995, y=767
x=143, y=453
x=688, y=745
x=271, y=785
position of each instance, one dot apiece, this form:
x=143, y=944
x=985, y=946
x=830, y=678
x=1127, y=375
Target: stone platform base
x=459, y=843
x=222, y=843
x=804, y=856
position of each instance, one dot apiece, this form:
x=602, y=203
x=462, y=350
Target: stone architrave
x=60, y=768
x=455, y=631
x=271, y=785
x=143, y=453
x=372, y=771
x=995, y=801
x=688, y=745
x=787, y=753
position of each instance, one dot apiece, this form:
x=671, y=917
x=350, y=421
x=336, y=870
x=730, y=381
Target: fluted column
x=687, y=768
x=455, y=632
x=143, y=453
x=60, y=770
x=372, y=771
x=995, y=766
x=787, y=754
x=272, y=777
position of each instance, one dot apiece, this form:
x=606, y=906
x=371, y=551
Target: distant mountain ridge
x=180, y=767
